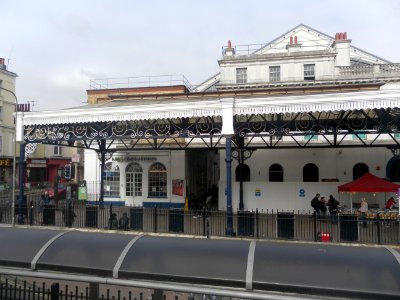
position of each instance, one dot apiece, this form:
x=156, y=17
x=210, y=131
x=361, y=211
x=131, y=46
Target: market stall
x=369, y=183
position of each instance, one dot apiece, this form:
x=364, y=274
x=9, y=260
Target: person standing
x=314, y=203
x=322, y=205
x=390, y=203
x=363, y=210
x=333, y=205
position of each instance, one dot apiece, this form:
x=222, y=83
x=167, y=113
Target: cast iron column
x=103, y=161
x=229, y=212
x=21, y=183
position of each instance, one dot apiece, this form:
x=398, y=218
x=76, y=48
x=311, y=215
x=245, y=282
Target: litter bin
x=24, y=210
x=136, y=221
x=49, y=215
x=24, y=206
x=285, y=225
x=245, y=223
x=176, y=220
x=91, y=216
x=348, y=228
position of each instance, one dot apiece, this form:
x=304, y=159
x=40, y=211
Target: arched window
x=134, y=181
x=310, y=173
x=276, y=173
x=359, y=170
x=393, y=169
x=157, y=180
x=111, y=179
x=242, y=173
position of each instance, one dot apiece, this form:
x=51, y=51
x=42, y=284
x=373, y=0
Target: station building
x=297, y=116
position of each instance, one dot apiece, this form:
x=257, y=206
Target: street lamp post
x=14, y=158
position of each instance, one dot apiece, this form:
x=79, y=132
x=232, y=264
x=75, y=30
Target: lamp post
x=14, y=157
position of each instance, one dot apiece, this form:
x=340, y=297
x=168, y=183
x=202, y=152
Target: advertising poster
x=177, y=187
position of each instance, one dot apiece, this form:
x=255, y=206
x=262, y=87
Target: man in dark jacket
x=315, y=203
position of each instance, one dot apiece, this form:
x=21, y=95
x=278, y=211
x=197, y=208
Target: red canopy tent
x=370, y=184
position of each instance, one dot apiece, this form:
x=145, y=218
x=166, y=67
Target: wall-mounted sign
x=82, y=193
x=133, y=158
x=302, y=193
x=258, y=192
x=5, y=162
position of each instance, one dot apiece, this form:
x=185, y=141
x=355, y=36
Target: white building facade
x=306, y=113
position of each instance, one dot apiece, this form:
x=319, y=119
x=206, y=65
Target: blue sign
x=302, y=193
x=258, y=193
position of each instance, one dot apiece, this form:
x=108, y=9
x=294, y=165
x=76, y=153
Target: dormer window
x=241, y=75
x=309, y=72
x=275, y=74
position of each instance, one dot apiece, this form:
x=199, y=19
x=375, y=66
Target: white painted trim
x=217, y=107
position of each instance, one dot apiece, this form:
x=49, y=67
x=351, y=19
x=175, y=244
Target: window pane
x=134, y=180
x=111, y=180
x=274, y=74
x=157, y=180
x=241, y=75
x=309, y=72
x=276, y=173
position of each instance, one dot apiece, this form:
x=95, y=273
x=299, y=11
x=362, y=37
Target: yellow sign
x=5, y=162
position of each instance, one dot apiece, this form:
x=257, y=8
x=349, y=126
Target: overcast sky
x=56, y=47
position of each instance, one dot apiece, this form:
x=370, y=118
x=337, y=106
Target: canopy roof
x=229, y=264
x=369, y=183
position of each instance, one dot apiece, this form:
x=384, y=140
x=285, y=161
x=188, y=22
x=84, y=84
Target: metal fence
x=19, y=288
x=378, y=228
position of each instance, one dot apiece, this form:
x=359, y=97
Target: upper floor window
x=57, y=150
x=275, y=74
x=309, y=72
x=276, y=173
x=241, y=75
x=1, y=113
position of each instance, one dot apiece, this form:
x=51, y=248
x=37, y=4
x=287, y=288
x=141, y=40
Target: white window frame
x=111, y=180
x=309, y=72
x=157, y=181
x=241, y=75
x=275, y=73
x=134, y=180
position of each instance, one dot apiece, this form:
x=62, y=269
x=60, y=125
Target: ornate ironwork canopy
x=282, y=130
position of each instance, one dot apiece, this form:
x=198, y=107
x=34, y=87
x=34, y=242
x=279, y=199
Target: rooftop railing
x=140, y=81
x=363, y=71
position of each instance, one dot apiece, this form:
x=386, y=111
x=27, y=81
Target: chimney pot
x=345, y=35
x=291, y=40
x=229, y=44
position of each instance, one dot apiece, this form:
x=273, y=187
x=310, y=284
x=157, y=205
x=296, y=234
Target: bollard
x=315, y=226
x=208, y=229
x=31, y=213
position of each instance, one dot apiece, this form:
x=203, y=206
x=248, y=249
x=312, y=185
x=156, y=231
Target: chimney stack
x=229, y=51
x=293, y=45
x=342, y=46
